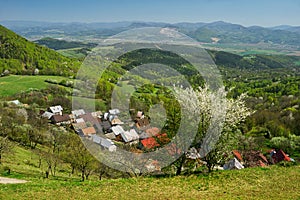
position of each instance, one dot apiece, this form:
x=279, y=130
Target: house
x=152, y=131
x=140, y=115
x=277, y=155
x=117, y=130
x=142, y=123
x=144, y=135
x=116, y=121
x=254, y=159
x=237, y=155
x=192, y=153
x=105, y=143
x=96, y=114
x=60, y=119
x=129, y=136
x=77, y=113
x=114, y=111
x=233, y=164
x=110, y=136
x=79, y=120
x=89, y=119
x=88, y=131
x=15, y=102
x=78, y=126
x=149, y=143
x=47, y=115
x=56, y=110
x=106, y=126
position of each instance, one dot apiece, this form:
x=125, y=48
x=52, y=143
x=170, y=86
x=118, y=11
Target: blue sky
x=245, y=12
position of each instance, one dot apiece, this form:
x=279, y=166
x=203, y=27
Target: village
x=107, y=130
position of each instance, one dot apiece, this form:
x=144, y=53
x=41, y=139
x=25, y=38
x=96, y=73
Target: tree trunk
x=82, y=175
x=179, y=168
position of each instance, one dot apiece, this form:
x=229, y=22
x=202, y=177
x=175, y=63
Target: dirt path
x=10, y=180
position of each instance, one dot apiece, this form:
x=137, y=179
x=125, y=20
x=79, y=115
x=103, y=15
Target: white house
x=56, y=110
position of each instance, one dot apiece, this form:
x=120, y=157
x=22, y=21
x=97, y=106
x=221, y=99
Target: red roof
x=149, y=143
x=237, y=155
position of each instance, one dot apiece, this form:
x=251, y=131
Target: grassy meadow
x=255, y=183
x=275, y=182
x=13, y=84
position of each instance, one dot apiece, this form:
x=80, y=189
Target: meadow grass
x=10, y=85
x=256, y=183
x=273, y=182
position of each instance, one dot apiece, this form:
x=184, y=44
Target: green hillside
x=20, y=56
x=63, y=44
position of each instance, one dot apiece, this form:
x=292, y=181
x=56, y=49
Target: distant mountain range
x=216, y=32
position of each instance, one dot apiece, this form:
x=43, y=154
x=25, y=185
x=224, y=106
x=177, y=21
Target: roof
x=56, y=109
x=78, y=126
x=116, y=121
x=106, y=125
x=233, y=164
x=88, y=131
x=88, y=118
x=117, y=129
x=106, y=143
x=139, y=114
x=47, y=114
x=129, y=136
x=79, y=120
x=237, y=154
x=110, y=136
x=16, y=102
x=60, y=118
x=114, y=111
x=153, y=131
x=96, y=113
x=143, y=122
x=149, y=143
x=279, y=155
x=78, y=112
x=144, y=135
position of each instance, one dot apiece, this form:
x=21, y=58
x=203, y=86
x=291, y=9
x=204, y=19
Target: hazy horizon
x=265, y=13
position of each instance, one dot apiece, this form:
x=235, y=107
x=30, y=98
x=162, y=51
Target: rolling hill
x=227, y=33
x=20, y=56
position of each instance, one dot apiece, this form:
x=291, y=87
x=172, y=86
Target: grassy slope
x=252, y=183
x=13, y=84
x=256, y=183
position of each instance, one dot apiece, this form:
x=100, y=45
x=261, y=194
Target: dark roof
x=60, y=118
x=106, y=125
x=278, y=155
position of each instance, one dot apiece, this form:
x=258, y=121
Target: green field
x=274, y=182
x=252, y=183
x=13, y=84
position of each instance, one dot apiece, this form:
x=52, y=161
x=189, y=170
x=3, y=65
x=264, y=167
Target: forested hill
x=258, y=61
x=20, y=56
x=63, y=44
